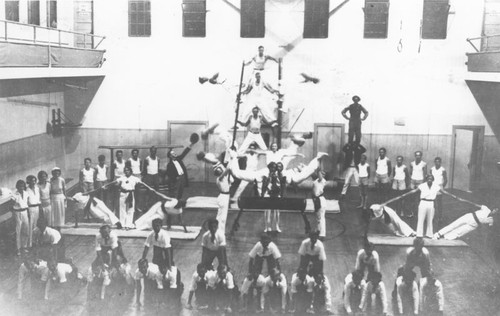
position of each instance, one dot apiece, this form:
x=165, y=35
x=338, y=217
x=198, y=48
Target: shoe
x=278, y=229
x=119, y=225
x=307, y=135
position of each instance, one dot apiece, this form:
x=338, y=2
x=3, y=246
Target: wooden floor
x=470, y=286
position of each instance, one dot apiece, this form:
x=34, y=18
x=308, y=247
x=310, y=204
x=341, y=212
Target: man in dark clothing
x=353, y=152
x=355, y=119
x=177, y=173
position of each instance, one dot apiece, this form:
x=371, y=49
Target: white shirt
x=177, y=165
x=255, y=124
x=428, y=193
x=128, y=184
x=223, y=184
x=252, y=162
x=219, y=241
x=438, y=175
x=259, y=283
x=380, y=295
x=418, y=170
x=135, y=165
x=111, y=242
x=162, y=242
x=258, y=250
x=20, y=201
x=62, y=271
x=153, y=273
x=348, y=287
x=195, y=279
x=317, y=250
x=213, y=279
x=308, y=282
x=382, y=166
x=318, y=187
x=152, y=166
x=363, y=170
x=399, y=172
x=101, y=173
x=88, y=175
x=400, y=286
x=33, y=195
x=119, y=168
x=268, y=283
x=49, y=237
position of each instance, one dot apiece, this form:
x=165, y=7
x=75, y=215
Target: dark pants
x=259, y=262
x=201, y=294
x=354, y=132
x=303, y=300
x=176, y=186
x=317, y=265
x=208, y=256
x=319, y=300
x=161, y=258
x=105, y=255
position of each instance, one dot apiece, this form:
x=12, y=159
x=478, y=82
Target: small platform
x=210, y=203
x=391, y=240
x=92, y=229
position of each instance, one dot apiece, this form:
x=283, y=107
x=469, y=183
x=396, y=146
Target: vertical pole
x=280, y=106
x=34, y=34
x=5, y=24
x=59, y=35
x=238, y=101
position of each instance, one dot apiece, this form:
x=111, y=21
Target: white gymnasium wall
x=154, y=79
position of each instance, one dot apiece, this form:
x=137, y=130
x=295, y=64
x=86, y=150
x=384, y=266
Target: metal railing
x=44, y=35
x=484, y=42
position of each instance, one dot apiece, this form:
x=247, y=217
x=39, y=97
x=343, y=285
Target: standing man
x=258, y=86
x=150, y=169
x=353, y=152
x=135, y=163
x=383, y=170
x=87, y=176
x=418, y=171
x=118, y=170
x=259, y=60
x=177, y=172
x=440, y=179
x=254, y=124
x=355, y=119
x=162, y=249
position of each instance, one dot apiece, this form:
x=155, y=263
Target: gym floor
x=471, y=284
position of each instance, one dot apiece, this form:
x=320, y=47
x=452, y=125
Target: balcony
x=35, y=51
x=487, y=57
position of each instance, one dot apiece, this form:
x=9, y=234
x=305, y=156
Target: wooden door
x=467, y=155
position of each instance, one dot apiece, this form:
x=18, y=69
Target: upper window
x=435, y=19
x=12, y=10
x=376, y=18
x=139, y=18
x=316, y=15
x=253, y=18
x=52, y=13
x=194, y=13
x=34, y=12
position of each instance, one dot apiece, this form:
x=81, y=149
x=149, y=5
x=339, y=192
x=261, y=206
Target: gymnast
x=390, y=218
x=468, y=223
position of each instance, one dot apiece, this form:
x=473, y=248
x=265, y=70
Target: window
x=52, y=13
x=194, y=13
x=253, y=18
x=12, y=10
x=34, y=12
x=316, y=15
x=435, y=19
x=376, y=18
x=139, y=18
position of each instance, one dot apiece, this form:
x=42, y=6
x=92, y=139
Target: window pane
x=12, y=10
x=139, y=18
x=34, y=12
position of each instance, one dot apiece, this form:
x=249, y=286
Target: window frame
x=135, y=15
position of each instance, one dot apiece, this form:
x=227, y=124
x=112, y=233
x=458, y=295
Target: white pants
x=251, y=138
x=297, y=177
x=146, y=221
x=292, y=150
x=102, y=212
x=223, y=204
x=425, y=213
x=47, y=212
x=350, y=174
x=34, y=212
x=22, y=228
x=127, y=212
x=320, y=217
x=460, y=227
x=271, y=220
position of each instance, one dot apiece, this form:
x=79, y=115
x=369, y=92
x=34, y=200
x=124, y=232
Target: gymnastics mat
x=391, y=240
x=210, y=202
x=92, y=229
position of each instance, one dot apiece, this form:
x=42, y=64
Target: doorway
x=178, y=134
x=329, y=138
x=467, y=157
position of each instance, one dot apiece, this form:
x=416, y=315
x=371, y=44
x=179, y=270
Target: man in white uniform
x=468, y=223
x=254, y=123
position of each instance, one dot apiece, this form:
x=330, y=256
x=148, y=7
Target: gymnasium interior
x=83, y=78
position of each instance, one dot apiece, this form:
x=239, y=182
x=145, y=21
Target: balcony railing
x=486, y=55
x=35, y=34
x=487, y=43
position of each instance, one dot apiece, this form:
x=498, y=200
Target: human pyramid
x=40, y=213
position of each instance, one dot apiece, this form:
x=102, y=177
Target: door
x=467, y=156
x=329, y=138
x=84, y=23
x=179, y=133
